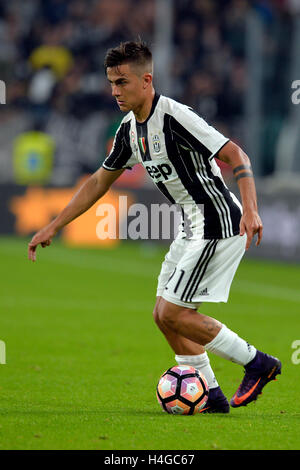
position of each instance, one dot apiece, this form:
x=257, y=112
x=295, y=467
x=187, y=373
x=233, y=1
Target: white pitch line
x=267, y=290
x=41, y=302
x=104, y=263
x=135, y=269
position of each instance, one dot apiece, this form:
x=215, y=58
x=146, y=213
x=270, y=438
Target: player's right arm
x=92, y=190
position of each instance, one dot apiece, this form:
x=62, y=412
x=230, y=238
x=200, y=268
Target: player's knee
x=159, y=314
x=170, y=317
x=155, y=315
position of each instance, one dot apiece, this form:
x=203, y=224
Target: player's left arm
x=251, y=223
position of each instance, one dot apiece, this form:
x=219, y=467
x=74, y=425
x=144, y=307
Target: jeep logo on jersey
x=159, y=171
x=156, y=143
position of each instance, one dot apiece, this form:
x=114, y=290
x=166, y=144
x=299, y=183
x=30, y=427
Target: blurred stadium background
x=234, y=61
x=83, y=355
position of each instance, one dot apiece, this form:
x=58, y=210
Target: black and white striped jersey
x=177, y=148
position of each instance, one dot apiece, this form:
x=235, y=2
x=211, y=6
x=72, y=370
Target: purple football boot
x=261, y=370
x=216, y=403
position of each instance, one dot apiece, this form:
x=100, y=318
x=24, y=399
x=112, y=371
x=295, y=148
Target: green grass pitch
x=84, y=355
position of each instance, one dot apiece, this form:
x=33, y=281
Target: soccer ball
x=182, y=390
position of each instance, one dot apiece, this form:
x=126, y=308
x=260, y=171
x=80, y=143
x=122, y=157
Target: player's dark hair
x=136, y=52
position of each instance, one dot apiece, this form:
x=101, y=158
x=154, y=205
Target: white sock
x=200, y=362
x=229, y=345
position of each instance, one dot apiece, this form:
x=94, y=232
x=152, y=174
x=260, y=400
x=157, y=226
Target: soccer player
x=178, y=150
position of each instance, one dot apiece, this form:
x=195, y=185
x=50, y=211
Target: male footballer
x=178, y=150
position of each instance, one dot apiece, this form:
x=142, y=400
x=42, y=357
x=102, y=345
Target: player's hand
x=251, y=224
x=43, y=238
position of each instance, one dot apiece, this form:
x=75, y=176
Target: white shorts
x=196, y=271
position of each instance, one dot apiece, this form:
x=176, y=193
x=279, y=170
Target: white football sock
x=229, y=345
x=200, y=362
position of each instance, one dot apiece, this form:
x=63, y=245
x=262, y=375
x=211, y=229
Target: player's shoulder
x=124, y=125
x=127, y=118
x=171, y=106
x=179, y=111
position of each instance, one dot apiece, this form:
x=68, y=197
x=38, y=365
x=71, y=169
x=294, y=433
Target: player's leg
x=179, y=344
x=204, y=331
x=193, y=354
x=164, y=317
x=215, y=263
x=260, y=368
x=187, y=351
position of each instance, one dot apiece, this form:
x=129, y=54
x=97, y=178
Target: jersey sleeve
x=205, y=134
x=121, y=155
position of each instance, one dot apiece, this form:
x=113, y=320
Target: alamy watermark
x=141, y=222
x=2, y=92
x=295, y=97
x=296, y=354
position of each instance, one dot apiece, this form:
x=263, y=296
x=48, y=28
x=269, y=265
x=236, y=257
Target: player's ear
x=147, y=79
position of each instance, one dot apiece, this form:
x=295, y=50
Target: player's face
x=127, y=86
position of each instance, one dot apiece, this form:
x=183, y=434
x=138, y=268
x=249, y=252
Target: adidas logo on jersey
x=204, y=292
